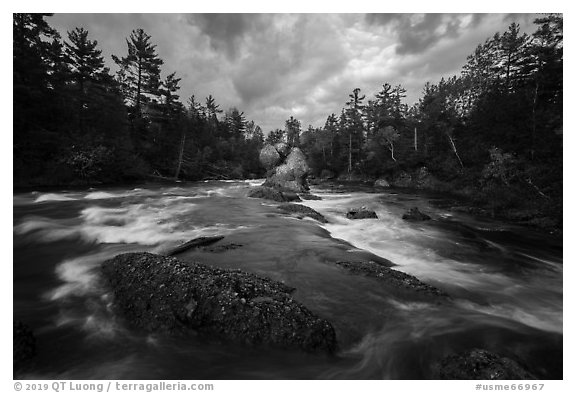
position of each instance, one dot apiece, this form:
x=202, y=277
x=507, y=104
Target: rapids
x=506, y=282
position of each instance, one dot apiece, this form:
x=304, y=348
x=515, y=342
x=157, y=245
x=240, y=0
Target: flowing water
x=506, y=282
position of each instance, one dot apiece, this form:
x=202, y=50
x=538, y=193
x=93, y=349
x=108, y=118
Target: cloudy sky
x=272, y=66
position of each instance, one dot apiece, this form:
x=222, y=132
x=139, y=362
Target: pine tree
x=139, y=71
x=86, y=62
x=86, y=70
x=212, y=111
x=292, y=129
x=355, y=125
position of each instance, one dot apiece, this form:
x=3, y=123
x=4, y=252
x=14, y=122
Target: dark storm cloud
x=225, y=30
x=417, y=33
x=288, y=55
x=273, y=66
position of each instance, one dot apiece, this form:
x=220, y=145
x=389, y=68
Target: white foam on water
x=168, y=220
x=543, y=316
x=255, y=182
x=78, y=276
x=46, y=229
x=53, y=197
x=412, y=247
x=103, y=195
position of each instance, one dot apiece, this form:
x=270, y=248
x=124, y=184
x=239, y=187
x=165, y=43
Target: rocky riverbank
x=451, y=198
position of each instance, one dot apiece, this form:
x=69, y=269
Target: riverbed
x=506, y=282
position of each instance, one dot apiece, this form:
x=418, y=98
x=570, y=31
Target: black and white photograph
x=287, y=196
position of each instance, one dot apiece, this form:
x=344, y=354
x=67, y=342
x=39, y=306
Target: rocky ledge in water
x=303, y=211
x=273, y=194
x=415, y=215
x=479, y=364
x=24, y=347
x=393, y=277
x=310, y=197
x=360, y=214
x=162, y=294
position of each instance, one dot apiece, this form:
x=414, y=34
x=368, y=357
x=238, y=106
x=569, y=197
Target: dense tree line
x=75, y=122
x=493, y=132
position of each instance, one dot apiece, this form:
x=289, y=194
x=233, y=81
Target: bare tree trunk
x=350, y=154
x=455, y=151
x=181, y=155
x=332, y=148
x=534, y=123
x=415, y=139
x=391, y=148
x=538, y=190
x=139, y=88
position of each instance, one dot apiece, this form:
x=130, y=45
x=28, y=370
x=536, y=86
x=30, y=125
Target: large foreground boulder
x=161, y=294
x=479, y=364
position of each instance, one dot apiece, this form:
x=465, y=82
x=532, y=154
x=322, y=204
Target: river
x=506, y=282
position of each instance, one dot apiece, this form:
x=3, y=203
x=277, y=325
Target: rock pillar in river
x=287, y=167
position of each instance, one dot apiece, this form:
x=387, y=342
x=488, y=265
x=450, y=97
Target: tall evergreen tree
x=86, y=62
x=139, y=71
x=355, y=125
x=292, y=128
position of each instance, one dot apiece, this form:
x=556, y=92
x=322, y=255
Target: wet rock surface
x=161, y=294
x=223, y=247
x=273, y=194
x=24, y=346
x=195, y=243
x=303, y=210
x=479, y=364
x=361, y=214
x=393, y=277
x=415, y=215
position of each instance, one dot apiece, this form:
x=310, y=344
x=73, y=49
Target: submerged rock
x=273, y=194
x=195, y=243
x=415, y=215
x=161, y=294
x=24, y=346
x=393, y=277
x=304, y=210
x=224, y=247
x=479, y=364
x=360, y=214
x=310, y=197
